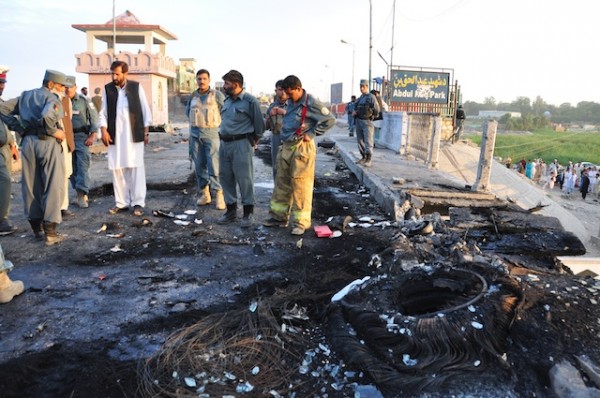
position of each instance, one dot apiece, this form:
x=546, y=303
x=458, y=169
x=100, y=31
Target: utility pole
x=114, y=33
x=370, y=39
x=353, y=61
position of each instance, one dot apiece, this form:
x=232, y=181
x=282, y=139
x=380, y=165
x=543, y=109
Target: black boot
x=248, y=218
x=52, y=236
x=36, y=226
x=230, y=215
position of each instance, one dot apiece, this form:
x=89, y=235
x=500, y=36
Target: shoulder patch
x=324, y=111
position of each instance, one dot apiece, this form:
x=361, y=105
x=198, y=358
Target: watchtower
x=152, y=70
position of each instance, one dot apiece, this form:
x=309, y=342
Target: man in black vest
x=125, y=119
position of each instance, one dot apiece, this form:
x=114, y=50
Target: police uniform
x=295, y=178
x=204, y=113
x=367, y=108
x=275, y=122
x=242, y=125
x=85, y=124
x=40, y=112
x=350, y=108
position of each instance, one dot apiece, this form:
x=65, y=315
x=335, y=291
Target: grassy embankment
x=548, y=145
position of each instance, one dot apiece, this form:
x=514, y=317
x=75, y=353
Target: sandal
x=137, y=211
x=117, y=210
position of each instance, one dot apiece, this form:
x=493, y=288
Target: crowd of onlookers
x=581, y=176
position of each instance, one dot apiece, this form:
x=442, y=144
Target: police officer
x=460, y=121
x=85, y=127
x=8, y=152
x=350, y=111
x=204, y=112
x=367, y=109
x=40, y=112
x=274, y=120
x=305, y=117
x=242, y=125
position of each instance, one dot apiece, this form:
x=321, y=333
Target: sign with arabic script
x=418, y=86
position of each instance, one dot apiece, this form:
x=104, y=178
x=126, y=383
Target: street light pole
x=353, y=59
x=370, y=39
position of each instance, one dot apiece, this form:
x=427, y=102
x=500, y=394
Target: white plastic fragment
x=181, y=216
x=197, y=221
x=348, y=288
x=253, y=306
x=190, y=212
x=181, y=222
x=336, y=234
x=190, y=381
x=471, y=308
x=477, y=325
x=116, y=248
x=408, y=361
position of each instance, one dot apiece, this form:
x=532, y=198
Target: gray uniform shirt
x=317, y=121
x=242, y=115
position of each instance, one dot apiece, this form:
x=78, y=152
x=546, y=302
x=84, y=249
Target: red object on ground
x=323, y=231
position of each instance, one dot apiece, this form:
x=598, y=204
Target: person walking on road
x=8, y=153
x=125, y=120
x=367, y=109
x=460, y=121
x=275, y=113
x=350, y=107
x=305, y=118
x=97, y=99
x=37, y=116
x=204, y=113
x=85, y=127
x=242, y=125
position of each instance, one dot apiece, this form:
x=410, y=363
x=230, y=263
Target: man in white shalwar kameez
x=125, y=119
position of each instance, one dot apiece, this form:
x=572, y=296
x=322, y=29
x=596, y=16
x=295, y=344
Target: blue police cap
x=56, y=77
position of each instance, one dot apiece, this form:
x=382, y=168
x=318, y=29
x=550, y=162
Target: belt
x=81, y=130
x=229, y=138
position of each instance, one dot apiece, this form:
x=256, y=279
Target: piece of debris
x=162, y=213
x=144, y=222
x=398, y=180
x=181, y=222
x=190, y=212
x=322, y=231
x=102, y=228
x=537, y=207
x=339, y=222
x=116, y=249
x=116, y=236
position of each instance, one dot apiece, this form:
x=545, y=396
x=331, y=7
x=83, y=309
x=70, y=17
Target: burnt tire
x=415, y=330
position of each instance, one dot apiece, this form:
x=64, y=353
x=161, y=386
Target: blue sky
x=501, y=49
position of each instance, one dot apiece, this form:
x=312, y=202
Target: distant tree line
x=538, y=114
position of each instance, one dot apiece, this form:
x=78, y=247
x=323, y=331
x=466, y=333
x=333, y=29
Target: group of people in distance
x=568, y=178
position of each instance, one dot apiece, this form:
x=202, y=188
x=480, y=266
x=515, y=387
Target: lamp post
x=332, y=79
x=370, y=39
x=353, y=59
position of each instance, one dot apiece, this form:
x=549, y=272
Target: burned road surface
x=172, y=304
